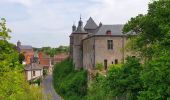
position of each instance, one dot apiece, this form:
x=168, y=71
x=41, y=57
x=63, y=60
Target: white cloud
x=49, y=21
x=26, y=3
x=117, y=11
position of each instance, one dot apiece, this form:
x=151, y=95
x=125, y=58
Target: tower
x=18, y=43
x=76, y=45
x=73, y=28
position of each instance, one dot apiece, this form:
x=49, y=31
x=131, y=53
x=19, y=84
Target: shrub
x=99, y=66
x=69, y=83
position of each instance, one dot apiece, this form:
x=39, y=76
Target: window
x=112, y=62
x=116, y=61
x=108, y=32
x=133, y=56
x=110, y=44
x=33, y=73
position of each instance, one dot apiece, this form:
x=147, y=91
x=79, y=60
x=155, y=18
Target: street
x=48, y=90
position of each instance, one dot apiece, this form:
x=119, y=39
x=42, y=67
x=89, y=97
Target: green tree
x=153, y=43
x=125, y=79
x=21, y=58
x=13, y=85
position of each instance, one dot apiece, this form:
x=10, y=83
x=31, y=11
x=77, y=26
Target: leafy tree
x=21, y=58
x=156, y=79
x=53, y=51
x=13, y=85
x=125, y=79
x=153, y=43
x=69, y=83
x=152, y=28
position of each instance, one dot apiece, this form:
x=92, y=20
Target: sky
x=43, y=23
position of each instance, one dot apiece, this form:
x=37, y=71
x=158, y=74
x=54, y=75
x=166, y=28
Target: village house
x=45, y=61
x=34, y=70
x=92, y=44
x=48, y=62
x=27, y=50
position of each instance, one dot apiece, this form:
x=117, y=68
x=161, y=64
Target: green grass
x=69, y=83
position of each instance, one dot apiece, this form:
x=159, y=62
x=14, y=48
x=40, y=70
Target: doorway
x=105, y=64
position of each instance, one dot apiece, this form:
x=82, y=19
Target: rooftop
x=33, y=66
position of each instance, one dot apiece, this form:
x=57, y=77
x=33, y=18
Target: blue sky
x=48, y=22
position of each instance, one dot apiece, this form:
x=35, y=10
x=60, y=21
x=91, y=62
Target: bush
x=99, y=66
x=69, y=83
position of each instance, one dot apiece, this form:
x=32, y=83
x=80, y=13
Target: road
x=48, y=90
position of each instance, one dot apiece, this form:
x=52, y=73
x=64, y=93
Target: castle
x=92, y=44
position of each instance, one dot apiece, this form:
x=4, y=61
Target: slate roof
x=115, y=29
x=35, y=66
x=80, y=28
x=28, y=47
x=90, y=24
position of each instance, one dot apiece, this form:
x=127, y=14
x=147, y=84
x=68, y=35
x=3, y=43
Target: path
x=48, y=90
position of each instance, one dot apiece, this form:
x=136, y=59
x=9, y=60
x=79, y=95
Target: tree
x=21, y=58
x=153, y=43
x=125, y=79
x=151, y=29
x=12, y=82
x=156, y=79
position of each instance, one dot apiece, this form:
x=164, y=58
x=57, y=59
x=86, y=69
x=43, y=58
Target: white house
x=33, y=71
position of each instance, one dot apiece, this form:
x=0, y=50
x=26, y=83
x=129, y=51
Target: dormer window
x=108, y=32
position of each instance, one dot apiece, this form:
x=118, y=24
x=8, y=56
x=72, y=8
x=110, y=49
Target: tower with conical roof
x=90, y=26
x=73, y=28
x=76, y=38
x=18, y=43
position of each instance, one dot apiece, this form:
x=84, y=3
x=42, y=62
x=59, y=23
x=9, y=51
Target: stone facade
x=94, y=44
x=96, y=51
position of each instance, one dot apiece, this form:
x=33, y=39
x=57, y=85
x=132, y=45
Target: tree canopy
x=13, y=85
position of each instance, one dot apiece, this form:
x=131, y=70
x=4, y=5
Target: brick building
x=27, y=50
x=92, y=44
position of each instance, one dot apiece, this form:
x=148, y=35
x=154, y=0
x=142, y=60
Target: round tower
x=73, y=28
x=18, y=43
x=77, y=36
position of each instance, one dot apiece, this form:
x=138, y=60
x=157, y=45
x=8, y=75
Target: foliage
x=53, y=51
x=153, y=43
x=12, y=82
x=156, y=79
x=125, y=79
x=21, y=58
x=151, y=29
x=96, y=89
x=69, y=83
x=99, y=66
x=45, y=71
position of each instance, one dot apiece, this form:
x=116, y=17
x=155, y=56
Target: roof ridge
x=91, y=24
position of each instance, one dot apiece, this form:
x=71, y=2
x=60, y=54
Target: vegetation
x=69, y=83
x=21, y=58
x=53, y=51
x=13, y=85
x=148, y=76
x=99, y=66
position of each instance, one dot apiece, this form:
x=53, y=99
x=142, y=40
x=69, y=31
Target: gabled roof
x=28, y=47
x=90, y=24
x=33, y=66
x=115, y=29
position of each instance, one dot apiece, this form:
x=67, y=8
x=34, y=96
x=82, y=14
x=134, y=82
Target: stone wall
x=77, y=50
x=103, y=53
x=88, y=53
